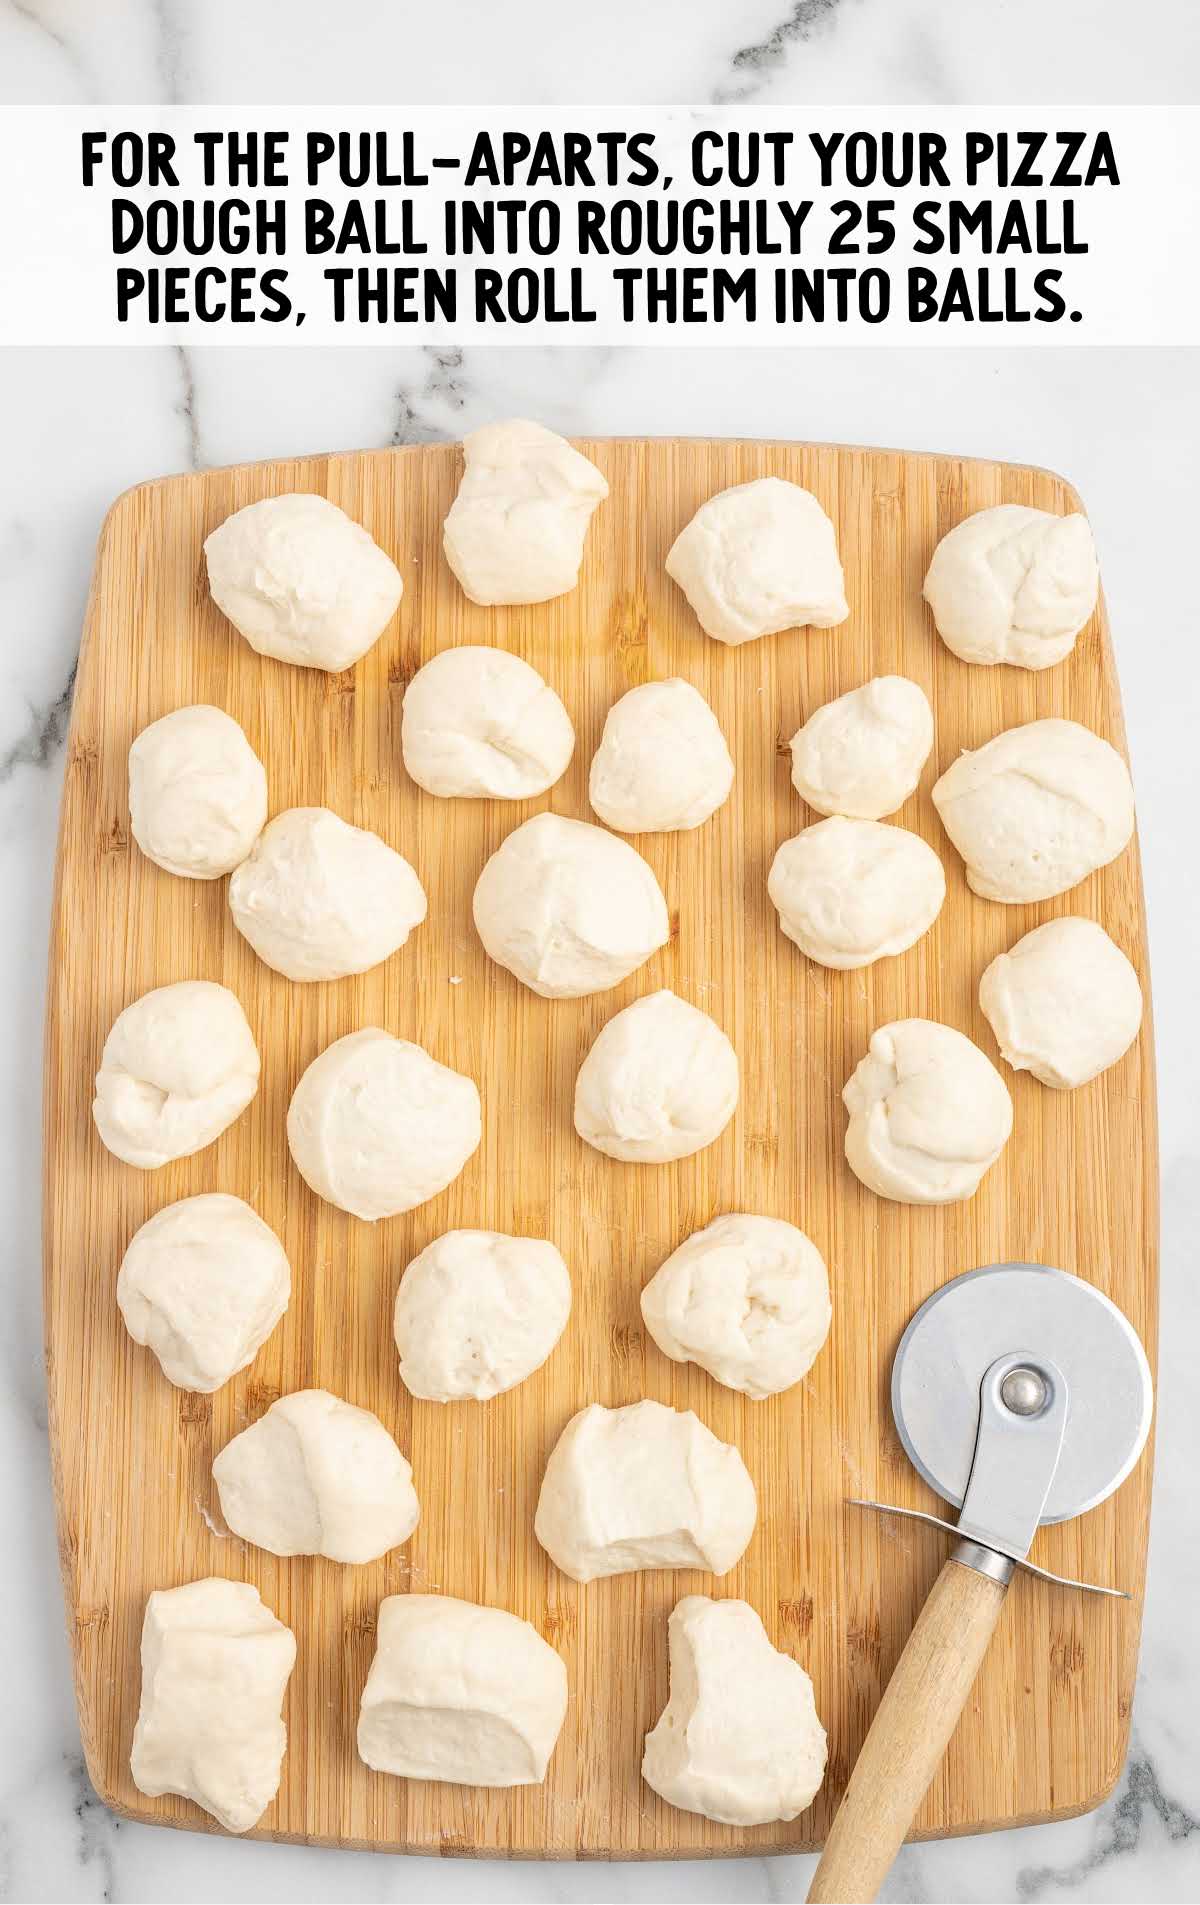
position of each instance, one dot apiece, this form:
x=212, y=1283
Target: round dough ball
x=377, y=1127
x=662, y=765
x=302, y=582
x=197, y=793
x=1036, y=810
x=862, y=754
x=929, y=1114
x=179, y=1065
x=1013, y=585
x=1064, y=1004
x=319, y=899
x=477, y=1312
x=760, y=558
x=660, y=1082
x=203, y=1283
x=516, y=529
x=569, y=909
x=849, y=892
x=482, y=724
x=747, y=1299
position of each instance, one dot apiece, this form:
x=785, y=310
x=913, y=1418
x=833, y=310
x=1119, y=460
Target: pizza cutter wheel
x=1023, y=1396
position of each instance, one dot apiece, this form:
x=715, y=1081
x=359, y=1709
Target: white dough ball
x=568, y=908
x=643, y=1487
x=760, y=558
x=1036, y=810
x=457, y=1692
x=660, y=1082
x=739, y=1740
x=516, y=529
x=1064, y=1004
x=1015, y=585
x=662, y=765
x=302, y=581
x=179, y=1065
x=320, y=899
x=480, y=723
x=929, y=1114
x=197, y=793
x=849, y=892
x=477, y=1312
x=747, y=1298
x=315, y=1475
x=203, y=1283
x=862, y=754
x=377, y=1127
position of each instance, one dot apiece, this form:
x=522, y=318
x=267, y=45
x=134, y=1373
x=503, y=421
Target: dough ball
x=302, y=582
x=461, y=1693
x=929, y=1114
x=1036, y=810
x=179, y=1065
x=569, y=909
x=215, y=1666
x=643, y=1487
x=315, y=1475
x=203, y=1283
x=849, y=892
x=757, y=559
x=1013, y=585
x=197, y=793
x=516, y=529
x=739, y=1739
x=477, y=1312
x=320, y=899
x=862, y=754
x=662, y=765
x=480, y=723
x=747, y=1299
x=377, y=1127
x=1064, y=1004
x=660, y=1082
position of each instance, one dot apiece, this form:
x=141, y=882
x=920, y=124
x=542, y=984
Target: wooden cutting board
x=1045, y=1732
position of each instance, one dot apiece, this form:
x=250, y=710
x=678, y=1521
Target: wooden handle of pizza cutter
x=910, y=1732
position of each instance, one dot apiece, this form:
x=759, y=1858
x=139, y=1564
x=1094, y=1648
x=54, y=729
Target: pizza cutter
x=1023, y=1396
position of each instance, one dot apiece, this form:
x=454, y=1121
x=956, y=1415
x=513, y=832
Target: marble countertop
x=80, y=426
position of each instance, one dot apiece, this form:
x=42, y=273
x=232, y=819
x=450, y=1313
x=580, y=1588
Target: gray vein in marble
x=97, y=1825
x=28, y=10
x=1120, y=1830
x=444, y=383
x=186, y=407
x=754, y=65
x=905, y=1882
x=43, y=735
x=168, y=38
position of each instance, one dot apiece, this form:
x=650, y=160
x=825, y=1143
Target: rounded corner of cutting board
x=838, y=1593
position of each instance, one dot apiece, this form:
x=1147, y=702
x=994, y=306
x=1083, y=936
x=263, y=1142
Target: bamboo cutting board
x=1045, y=1732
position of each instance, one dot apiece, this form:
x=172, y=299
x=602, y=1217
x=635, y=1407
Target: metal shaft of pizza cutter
x=1024, y=1403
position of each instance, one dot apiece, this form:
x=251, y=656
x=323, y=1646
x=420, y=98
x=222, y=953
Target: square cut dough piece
x=315, y=1475
x=215, y=1663
x=643, y=1487
x=739, y=1739
x=457, y=1692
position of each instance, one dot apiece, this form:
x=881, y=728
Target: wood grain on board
x=1045, y=1730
